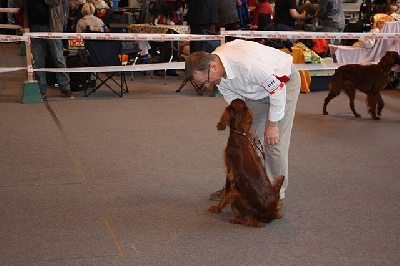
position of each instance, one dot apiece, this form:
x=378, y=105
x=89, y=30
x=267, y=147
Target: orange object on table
x=298, y=58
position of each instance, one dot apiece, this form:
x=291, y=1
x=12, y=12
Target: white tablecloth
x=350, y=54
x=160, y=28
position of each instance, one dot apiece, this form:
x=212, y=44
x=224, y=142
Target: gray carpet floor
x=125, y=181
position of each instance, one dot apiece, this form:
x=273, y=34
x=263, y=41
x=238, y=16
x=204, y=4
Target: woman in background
x=263, y=7
x=89, y=21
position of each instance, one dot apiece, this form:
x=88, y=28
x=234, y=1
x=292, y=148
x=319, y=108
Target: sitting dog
x=369, y=79
x=252, y=196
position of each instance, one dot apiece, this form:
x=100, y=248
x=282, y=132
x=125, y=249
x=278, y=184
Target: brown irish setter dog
x=369, y=79
x=252, y=196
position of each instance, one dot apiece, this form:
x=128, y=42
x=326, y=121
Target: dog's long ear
x=247, y=120
x=225, y=118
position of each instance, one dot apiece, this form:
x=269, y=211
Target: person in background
x=286, y=15
x=331, y=17
x=397, y=3
x=263, y=7
x=144, y=13
x=228, y=16
x=75, y=14
x=102, y=11
x=244, y=14
x=89, y=21
x=201, y=16
x=13, y=4
x=267, y=80
x=43, y=17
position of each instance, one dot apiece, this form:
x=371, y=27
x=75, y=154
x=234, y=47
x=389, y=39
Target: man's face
x=207, y=78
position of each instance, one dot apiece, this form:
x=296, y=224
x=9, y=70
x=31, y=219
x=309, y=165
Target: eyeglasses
x=207, y=83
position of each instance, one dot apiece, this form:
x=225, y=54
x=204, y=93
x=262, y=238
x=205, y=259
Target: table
x=160, y=28
x=350, y=54
x=298, y=58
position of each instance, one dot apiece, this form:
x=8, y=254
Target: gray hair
x=198, y=61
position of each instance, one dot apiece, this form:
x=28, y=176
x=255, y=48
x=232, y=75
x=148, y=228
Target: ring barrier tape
x=184, y=37
x=141, y=67
x=9, y=10
x=149, y=67
x=194, y=37
x=124, y=36
x=10, y=69
x=13, y=38
x=311, y=35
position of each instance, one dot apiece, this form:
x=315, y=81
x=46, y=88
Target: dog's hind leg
x=249, y=221
x=222, y=203
x=227, y=195
x=352, y=95
x=333, y=92
x=381, y=104
x=371, y=103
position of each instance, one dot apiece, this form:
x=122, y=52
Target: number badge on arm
x=272, y=85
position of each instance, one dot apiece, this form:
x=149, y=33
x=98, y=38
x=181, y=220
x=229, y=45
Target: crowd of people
x=203, y=17
x=58, y=16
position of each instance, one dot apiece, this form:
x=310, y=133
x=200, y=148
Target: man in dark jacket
x=42, y=20
x=201, y=16
x=331, y=17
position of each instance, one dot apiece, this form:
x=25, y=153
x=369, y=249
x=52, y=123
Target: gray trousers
x=276, y=156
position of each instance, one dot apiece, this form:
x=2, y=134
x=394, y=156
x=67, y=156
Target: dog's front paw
x=376, y=118
x=214, y=209
x=278, y=215
x=235, y=220
x=253, y=222
x=258, y=224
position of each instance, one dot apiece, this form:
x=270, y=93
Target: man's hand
x=271, y=133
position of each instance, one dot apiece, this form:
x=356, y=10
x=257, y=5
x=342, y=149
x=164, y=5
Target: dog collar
x=255, y=147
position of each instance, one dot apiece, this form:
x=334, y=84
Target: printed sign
x=272, y=85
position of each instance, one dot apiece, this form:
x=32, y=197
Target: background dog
x=369, y=79
x=252, y=196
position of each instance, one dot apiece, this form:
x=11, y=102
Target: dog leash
x=255, y=147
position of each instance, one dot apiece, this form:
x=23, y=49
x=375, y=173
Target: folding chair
x=106, y=53
x=199, y=90
x=133, y=52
